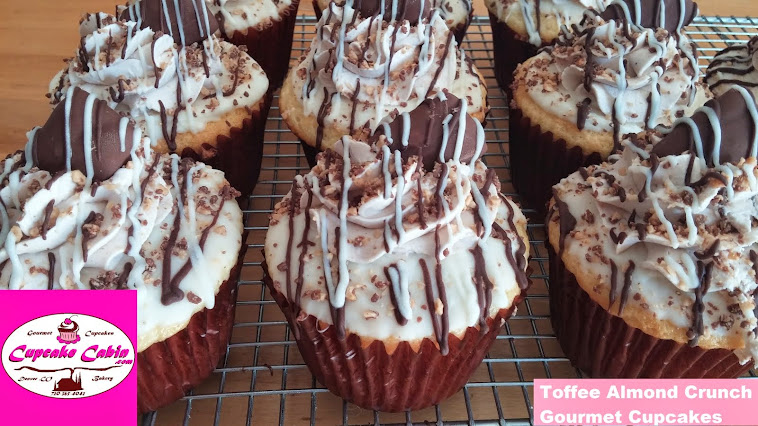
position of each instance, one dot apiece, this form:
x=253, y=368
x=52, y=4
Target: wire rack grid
x=263, y=379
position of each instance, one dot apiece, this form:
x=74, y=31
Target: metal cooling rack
x=263, y=380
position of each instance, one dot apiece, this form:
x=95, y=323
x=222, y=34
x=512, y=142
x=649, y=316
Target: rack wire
x=263, y=379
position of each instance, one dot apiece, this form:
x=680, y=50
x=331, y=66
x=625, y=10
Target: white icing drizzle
x=399, y=279
x=344, y=279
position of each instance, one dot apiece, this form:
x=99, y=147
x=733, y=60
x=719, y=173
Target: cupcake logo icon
x=68, y=356
x=69, y=331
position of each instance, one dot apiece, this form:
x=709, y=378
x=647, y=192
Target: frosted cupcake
x=653, y=255
x=734, y=66
x=363, y=69
x=265, y=27
x=457, y=14
x=68, y=331
x=190, y=92
x=397, y=262
x=573, y=102
x=521, y=27
x=88, y=205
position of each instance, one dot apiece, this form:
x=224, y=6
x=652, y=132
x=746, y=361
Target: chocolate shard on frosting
x=405, y=10
x=49, y=144
x=733, y=113
x=648, y=13
x=426, y=134
x=189, y=29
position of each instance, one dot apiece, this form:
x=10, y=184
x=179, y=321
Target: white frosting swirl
x=673, y=225
x=152, y=78
x=378, y=226
x=646, y=79
x=112, y=235
x=387, y=67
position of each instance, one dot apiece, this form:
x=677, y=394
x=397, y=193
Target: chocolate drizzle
x=614, y=285
x=627, y=286
x=704, y=272
x=437, y=319
x=582, y=113
x=322, y=111
x=46, y=220
x=50, y=270
x=483, y=287
x=567, y=221
x=442, y=64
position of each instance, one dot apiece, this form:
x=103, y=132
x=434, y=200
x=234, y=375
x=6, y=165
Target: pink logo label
x=70, y=348
x=645, y=401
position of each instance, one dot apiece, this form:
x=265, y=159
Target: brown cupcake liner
x=603, y=345
x=167, y=370
x=370, y=377
x=270, y=46
x=539, y=161
x=239, y=153
x=459, y=31
x=509, y=50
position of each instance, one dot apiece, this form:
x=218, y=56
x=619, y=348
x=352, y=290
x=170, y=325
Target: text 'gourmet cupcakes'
x=573, y=102
x=190, y=92
x=265, y=27
x=457, y=14
x=734, y=65
x=88, y=205
x=653, y=256
x=521, y=27
x=364, y=67
x=396, y=263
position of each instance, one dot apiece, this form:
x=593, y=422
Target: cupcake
x=521, y=27
x=364, y=69
x=397, y=262
x=653, y=255
x=573, y=102
x=191, y=93
x=265, y=27
x=68, y=331
x=457, y=14
x=88, y=205
x=734, y=66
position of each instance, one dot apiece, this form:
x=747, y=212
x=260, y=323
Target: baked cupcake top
x=668, y=233
x=88, y=205
x=734, y=65
x=364, y=66
x=239, y=15
x=615, y=76
x=539, y=21
x=405, y=233
x=170, y=82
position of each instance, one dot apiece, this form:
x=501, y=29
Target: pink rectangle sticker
x=69, y=357
x=645, y=401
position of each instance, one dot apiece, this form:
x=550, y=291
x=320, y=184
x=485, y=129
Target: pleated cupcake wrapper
x=239, y=153
x=372, y=378
x=459, y=31
x=270, y=46
x=509, y=50
x=167, y=370
x=539, y=161
x=603, y=345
